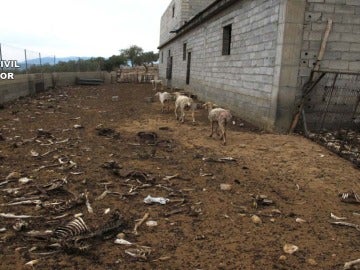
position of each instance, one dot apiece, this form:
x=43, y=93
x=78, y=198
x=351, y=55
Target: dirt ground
x=62, y=144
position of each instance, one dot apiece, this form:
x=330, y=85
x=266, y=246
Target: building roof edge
x=201, y=17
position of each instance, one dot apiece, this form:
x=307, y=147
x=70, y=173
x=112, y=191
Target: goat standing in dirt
x=155, y=83
x=165, y=99
x=220, y=117
x=184, y=102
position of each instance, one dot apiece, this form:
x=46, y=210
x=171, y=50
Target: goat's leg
x=176, y=116
x=193, y=115
x=212, y=128
x=223, y=133
x=217, y=129
x=182, y=115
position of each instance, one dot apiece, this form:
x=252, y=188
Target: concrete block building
x=254, y=56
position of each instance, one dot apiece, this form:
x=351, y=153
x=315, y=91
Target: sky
x=84, y=28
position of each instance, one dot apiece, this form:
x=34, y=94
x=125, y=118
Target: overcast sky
x=80, y=27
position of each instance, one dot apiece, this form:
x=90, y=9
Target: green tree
x=133, y=53
x=149, y=57
x=114, y=62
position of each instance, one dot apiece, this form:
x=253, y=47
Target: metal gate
x=333, y=102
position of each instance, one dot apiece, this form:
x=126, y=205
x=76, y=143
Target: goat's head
x=208, y=105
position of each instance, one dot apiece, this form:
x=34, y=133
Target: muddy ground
x=69, y=141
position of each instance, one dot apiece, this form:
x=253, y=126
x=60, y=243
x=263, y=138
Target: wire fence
x=333, y=104
x=19, y=60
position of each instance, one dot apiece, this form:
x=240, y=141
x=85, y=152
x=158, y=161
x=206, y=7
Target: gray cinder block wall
x=29, y=84
x=177, y=14
x=274, y=44
x=343, y=46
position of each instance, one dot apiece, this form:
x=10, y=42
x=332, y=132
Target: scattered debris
x=24, y=180
x=140, y=252
x=151, y=223
x=167, y=178
x=261, y=200
x=219, y=160
x=163, y=258
x=343, y=142
x=10, y=215
x=141, y=221
x=350, y=197
x=311, y=262
x=66, y=205
x=26, y=202
x=256, y=219
x=349, y=265
x=225, y=187
x=282, y=258
x=77, y=126
x=73, y=228
x=174, y=212
x=137, y=175
x=206, y=174
x=342, y=223
x=290, y=248
x=75, y=235
x=336, y=217
x=122, y=242
x=20, y=225
x=39, y=234
x=31, y=263
x=13, y=175
x=300, y=220
x=88, y=205
x=161, y=200
x=33, y=153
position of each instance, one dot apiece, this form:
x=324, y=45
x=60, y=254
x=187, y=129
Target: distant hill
x=50, y=60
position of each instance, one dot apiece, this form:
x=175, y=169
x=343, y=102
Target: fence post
x=26, y=66
x=2, y=68
x=40, y=62
x=328, y=103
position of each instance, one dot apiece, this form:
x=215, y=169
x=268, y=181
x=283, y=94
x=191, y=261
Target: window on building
x=169, y=66
x=226, y=40
x=162, y=57
x=173, y=11
x=184, y=51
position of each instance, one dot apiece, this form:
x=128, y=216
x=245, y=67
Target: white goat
x=219, y=116
x=155, y=83
x=183, y=102
x=164, y=98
